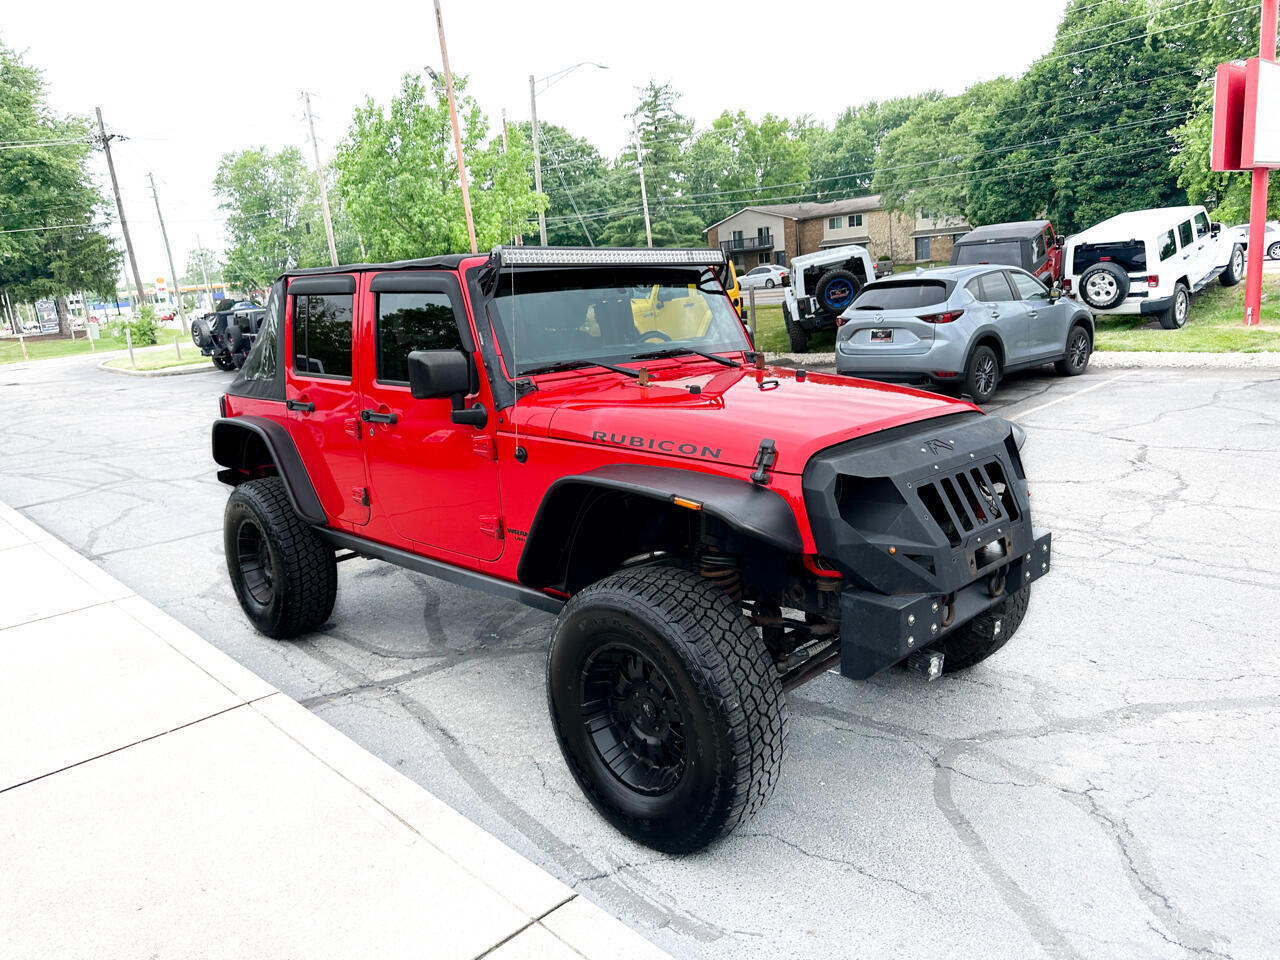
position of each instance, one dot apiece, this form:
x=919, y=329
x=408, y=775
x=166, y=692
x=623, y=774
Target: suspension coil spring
x=722, y=570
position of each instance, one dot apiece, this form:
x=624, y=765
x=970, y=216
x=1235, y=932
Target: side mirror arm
x=475, y=416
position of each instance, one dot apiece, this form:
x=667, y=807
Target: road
x=1104, y=787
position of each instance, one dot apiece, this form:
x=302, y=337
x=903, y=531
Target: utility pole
x=208, y=292
x=173, y=274
x=115, y=187
x=644, y=194
x=324, y=190
x=537, y=160
x=457, y=133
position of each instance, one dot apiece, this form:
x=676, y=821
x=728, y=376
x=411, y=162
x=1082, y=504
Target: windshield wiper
x=677, y=351
x=576, y=364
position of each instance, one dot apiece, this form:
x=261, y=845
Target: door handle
x=1032, y=314
x=302, y=405
x=372, y=416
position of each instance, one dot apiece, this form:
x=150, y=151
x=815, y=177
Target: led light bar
x=605, y=256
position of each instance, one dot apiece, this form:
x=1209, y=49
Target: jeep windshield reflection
x=556, y=318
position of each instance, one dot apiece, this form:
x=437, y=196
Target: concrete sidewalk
x=159, y=800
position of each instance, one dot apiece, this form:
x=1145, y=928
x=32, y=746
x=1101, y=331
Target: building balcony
x=762, y=241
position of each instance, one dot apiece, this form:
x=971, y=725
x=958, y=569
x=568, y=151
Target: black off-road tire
x=263, y=535
x=833, y=282
x=712, y=682
x=1079, y=349
x=1104, y=285
x=797, y=336
x=982, y=374
x=223, y=361
x=1234, y=272
x=986, y=633
x=1175, y=317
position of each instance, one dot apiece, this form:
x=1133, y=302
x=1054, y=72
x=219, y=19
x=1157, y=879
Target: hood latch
x=765, y=458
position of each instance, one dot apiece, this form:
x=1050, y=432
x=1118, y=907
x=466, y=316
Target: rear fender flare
x=233, y=443
x=752, y=510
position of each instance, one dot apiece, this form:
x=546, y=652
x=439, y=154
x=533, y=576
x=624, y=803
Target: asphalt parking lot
x=1104, y=787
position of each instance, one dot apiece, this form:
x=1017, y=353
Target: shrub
x=143, y=330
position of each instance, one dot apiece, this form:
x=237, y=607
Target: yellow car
x=734, y=291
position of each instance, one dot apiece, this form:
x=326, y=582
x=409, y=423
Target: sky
x=188, y=82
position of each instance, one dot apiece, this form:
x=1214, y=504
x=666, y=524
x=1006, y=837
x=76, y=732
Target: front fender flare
x=753, y=509
x=230, y=438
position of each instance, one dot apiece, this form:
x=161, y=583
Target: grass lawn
x=11, y=350
x=160, y=358
x=1216, y=325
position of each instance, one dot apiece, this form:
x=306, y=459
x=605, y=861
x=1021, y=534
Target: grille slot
x=968, y=499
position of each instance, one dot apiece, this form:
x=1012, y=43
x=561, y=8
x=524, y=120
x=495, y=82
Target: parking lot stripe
x=1096, y=386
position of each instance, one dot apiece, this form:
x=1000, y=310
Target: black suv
x=227, y=334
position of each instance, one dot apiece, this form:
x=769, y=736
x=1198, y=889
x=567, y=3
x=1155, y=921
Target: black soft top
x=1019, y=229
x=449, y=261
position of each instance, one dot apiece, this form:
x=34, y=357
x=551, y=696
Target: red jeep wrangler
x=590, y=432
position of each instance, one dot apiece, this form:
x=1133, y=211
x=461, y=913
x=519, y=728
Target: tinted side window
x=322, y=334
x=412, y=321
x=1185, y=234
x=1168, y=246
x=1202, y=224
x=1029, y=287
x=995, y=288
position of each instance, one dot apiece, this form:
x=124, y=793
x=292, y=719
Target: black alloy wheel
x=254, y=561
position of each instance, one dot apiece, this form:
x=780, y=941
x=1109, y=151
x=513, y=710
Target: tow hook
x=927, y=663
x=995, y=583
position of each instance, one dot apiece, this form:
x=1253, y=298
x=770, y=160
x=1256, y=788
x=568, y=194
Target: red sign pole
x=1258, y=198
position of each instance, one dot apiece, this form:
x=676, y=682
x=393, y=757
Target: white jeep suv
x=1150, y=262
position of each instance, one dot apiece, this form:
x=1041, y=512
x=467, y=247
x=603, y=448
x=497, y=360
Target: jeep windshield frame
x=561, y=316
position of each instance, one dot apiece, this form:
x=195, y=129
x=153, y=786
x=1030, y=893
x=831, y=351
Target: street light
x=550, y=80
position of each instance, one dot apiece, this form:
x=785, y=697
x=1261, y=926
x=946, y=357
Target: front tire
x=1175, y=318
x=666, y=705
x=1079, y=348
x=986, y=633
x=285, y=577
x=982, y=374
x=1234, y=272
x=796, y=334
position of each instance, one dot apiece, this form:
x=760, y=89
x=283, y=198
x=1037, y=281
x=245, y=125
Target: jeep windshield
x=901, y=295
x=999, y=251
x=557, y=319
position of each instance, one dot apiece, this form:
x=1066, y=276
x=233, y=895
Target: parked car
x=1270, y=238
x=1032, y=245
x=967, y=325
x=767, y=275
x=1150, y=262
x=822, y=285
x=589, y=433
x=733, y=288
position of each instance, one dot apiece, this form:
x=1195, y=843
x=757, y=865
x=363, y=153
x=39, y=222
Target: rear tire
x=982, y=374
x=769, y=284
x=1273, y=251
x=666, y=705
x=223, y=362
x=285, y=577
x=796, y=335
x=1079, y=348
x=1175, y=317
x=1234, y=272
x=986, y=633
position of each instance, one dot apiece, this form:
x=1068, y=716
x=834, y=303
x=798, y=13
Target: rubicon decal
x=654, y=443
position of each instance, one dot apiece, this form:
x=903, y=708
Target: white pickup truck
x=1150, y=262
x=823, y=284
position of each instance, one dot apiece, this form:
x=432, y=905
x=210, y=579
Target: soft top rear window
x=1130, y=256
x=1000, y=251
x=902, y=295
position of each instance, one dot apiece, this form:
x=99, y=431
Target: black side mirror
x=446, y=373
x=1215, y=228
x=1060, y=241
x=1055, y=293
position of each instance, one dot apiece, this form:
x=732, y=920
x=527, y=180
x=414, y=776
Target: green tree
x=1086, y=131
x=271, y=200
x=664, y=134
x=51, y=211
x=397, y=175
x=738, y=162
x=842, y=160
x=202, y=261
x=576, y=179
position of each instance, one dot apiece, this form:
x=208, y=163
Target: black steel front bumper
x=929, y=524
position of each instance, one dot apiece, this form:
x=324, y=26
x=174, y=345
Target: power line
x=1141, y=36
x=1146, y=15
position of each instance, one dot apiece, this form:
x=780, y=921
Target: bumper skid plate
x=877, y=631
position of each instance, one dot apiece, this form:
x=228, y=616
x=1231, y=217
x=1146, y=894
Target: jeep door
x=321, y=396
x=1046, y=322
x=433, y=481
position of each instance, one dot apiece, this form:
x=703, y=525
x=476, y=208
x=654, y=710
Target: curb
x=162, y=372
